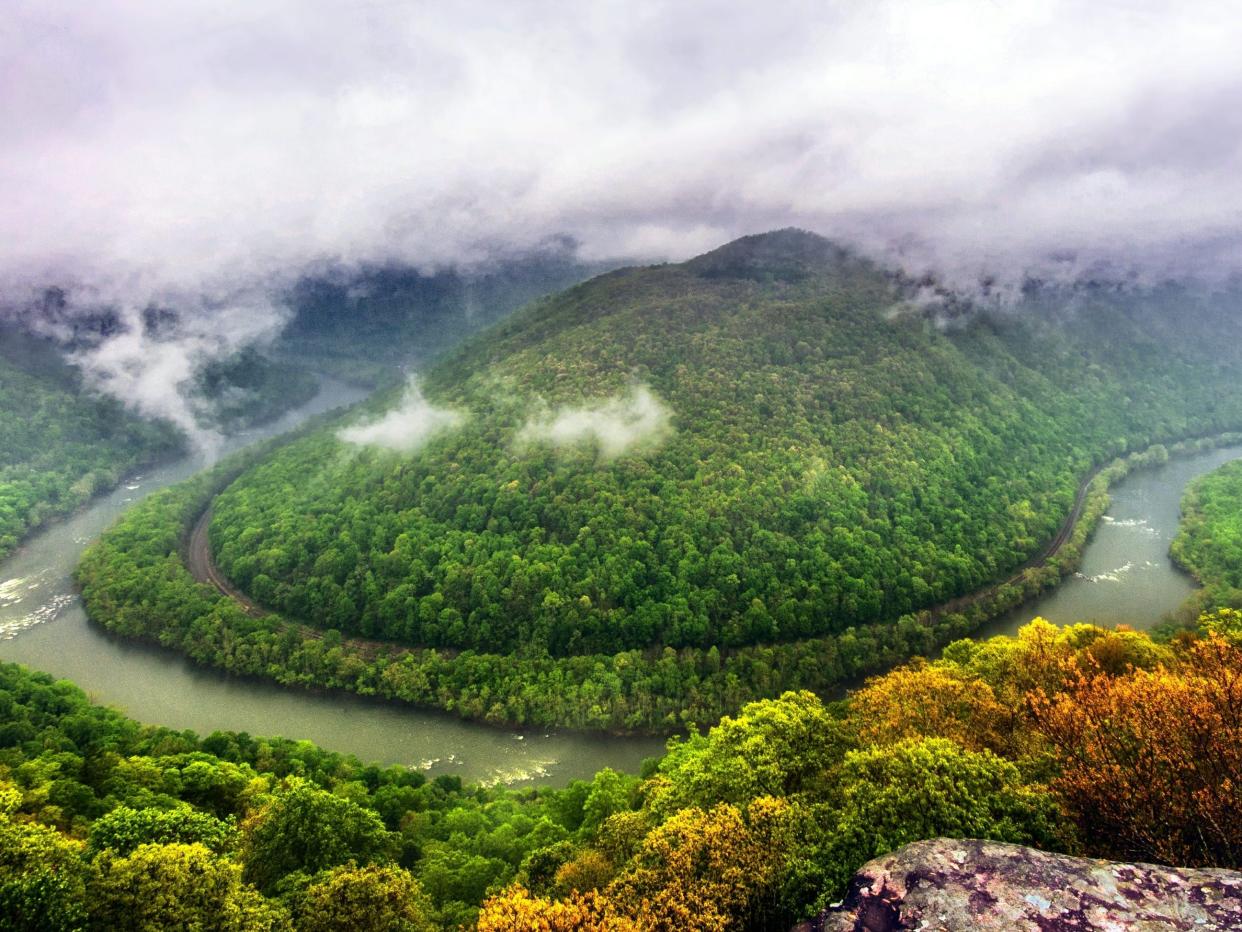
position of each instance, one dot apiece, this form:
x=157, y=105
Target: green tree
x=160, y=887
x=42, y=875
x=351, y=898
x=929, y=788
x=124, y=829
x=308, y=829
x=775, y=747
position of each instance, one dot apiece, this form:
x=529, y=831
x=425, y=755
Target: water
x=1126, y=574
x=43, y=625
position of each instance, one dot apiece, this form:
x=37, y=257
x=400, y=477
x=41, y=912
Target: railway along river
x=1126, y=576
x=43, y=625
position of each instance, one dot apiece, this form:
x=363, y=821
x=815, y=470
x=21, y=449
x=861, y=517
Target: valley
x=722, y=554
x=620, y=467
x=805, y=788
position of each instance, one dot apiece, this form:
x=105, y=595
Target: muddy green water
x=43, y=626
x=1126, y=575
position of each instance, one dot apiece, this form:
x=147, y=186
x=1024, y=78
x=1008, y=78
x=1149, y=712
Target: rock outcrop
x=971, y=886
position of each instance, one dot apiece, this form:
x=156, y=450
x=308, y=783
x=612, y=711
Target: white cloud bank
x=152, y=143
x=406, y=427
x=634, y=421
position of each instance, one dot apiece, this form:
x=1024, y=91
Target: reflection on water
x=42, y=625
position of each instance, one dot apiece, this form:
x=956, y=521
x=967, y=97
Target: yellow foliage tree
x=705, y=870
x=515, y=910
x=937, y=701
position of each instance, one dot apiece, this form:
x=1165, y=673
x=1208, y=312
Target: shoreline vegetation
x=1208, y=545
x=757, y=823
x=135, y=583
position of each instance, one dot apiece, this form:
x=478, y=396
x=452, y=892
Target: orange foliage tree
x=1150, y=762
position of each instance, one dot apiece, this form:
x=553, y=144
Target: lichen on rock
x=957, y=884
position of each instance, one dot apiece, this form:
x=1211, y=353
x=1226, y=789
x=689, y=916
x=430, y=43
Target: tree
x=308, y=829
x=124, y=829
x=775, y=747
x=1151, y=761
x=42, y=875
x=922, y=701
x=160, y=887
x=705, y=870
x=377, y=897
x=931, y=788
x=515, y=910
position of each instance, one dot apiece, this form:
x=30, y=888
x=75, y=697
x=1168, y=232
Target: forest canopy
x=1084, y=740
x=671, y=490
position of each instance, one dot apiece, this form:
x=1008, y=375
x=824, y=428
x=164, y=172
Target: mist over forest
x=620, y=466
x=210, y=160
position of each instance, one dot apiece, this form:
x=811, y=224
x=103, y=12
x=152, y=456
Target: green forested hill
x=673, y=489
x=58, y=443
x=822, y=466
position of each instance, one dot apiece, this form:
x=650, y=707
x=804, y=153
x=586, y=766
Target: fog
x=405, y=428
x=630, y=422
x=202, y=148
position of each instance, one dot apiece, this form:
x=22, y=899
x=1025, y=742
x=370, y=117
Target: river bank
x=43, y=625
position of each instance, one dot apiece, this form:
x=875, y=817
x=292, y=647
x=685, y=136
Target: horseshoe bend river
x=43, y=625
x=1126, y=576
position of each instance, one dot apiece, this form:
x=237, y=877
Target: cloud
x=632, y=421
x=406, y=427
x=199, y=145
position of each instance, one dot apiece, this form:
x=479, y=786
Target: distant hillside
x=771, y=444
x=59, y=444
x=361, y=324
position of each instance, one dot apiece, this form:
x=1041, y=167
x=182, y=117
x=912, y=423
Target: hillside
x=1209, y=539
x=767, y=459
x=694, y=455
x=59, y=443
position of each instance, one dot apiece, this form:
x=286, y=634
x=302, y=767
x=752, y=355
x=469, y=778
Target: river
x=1126, y=575
x=43, y=625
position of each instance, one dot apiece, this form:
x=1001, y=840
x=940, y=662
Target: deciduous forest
x=1076, y=739
x=808, y=466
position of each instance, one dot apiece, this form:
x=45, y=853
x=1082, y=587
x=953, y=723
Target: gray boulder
x=955, y=884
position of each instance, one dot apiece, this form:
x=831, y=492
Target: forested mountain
x=674, y=489
x=60, y=443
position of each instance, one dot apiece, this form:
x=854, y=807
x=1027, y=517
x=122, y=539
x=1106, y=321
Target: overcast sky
x=148, y=144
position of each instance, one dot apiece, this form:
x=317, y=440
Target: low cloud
x=147, y=354
x=634, y=421
x=156, y=142
x=406, y=427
